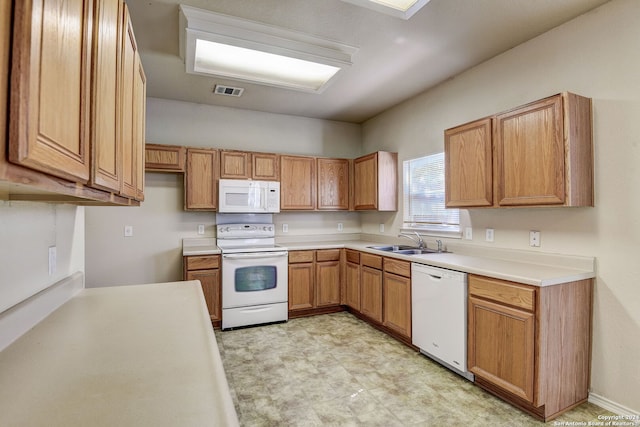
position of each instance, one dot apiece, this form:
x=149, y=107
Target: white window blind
x=424, y=196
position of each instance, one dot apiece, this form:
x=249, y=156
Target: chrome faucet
x=419, y=239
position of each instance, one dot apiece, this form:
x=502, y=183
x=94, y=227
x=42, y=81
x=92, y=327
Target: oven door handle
x=256, y=255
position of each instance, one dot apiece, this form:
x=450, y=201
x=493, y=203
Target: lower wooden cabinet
x=396, y=296
x=207, y=270
x=352, y=280
x=371, y=286
x=301, y=280
x=314, y=279
x=531, y=345
x=503, y=347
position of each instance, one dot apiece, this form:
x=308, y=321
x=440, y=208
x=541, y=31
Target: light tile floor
x=336, y=370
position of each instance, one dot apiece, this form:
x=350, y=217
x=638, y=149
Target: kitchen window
x=424, y=208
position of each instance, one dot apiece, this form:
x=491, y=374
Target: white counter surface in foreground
x=140, y=355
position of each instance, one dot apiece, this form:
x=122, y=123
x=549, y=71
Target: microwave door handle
x=255, y=255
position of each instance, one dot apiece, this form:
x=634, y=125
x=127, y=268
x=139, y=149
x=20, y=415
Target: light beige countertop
x=527, y=267
x=200, y=246
x=531, y=268
x=142, y=355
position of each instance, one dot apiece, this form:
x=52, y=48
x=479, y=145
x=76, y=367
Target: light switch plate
x=200, y=228
x=381, y=228
x=53, y=262
x=489, y=235
x=128, y=230
x=468, y=233
x=285, y=228
x=534, y=239
x=339, y=226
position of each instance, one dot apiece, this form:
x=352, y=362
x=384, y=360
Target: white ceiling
x=396, y=59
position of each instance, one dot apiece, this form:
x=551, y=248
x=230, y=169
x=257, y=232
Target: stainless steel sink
x=405, y=250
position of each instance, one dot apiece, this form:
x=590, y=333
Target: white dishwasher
x=439, y=315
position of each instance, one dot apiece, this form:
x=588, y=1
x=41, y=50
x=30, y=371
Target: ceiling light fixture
x=226, y=46
x=404, y=9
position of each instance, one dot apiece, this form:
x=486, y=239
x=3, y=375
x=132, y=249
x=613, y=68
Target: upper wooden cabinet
x=139, y=118
x=297, y=183
x=249, y=165
x=333, y=184
x=201, y=180
x=542, y=155
x=72, y=113
x=164, y=158
x=468, y=165
x=376, y=182
x=106, y=169
x=235, y=164
x=128, y=94
x=265, y=166
x=50, y=121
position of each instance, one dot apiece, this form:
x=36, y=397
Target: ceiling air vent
x=228, y=90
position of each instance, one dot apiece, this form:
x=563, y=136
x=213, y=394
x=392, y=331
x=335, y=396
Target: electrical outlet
x=381, y=228
x=534, y=239
x=339, y=226
x=285, y=228
x=200, y=228
x=52, y=260
x=128, y=230
x=468, y=233
x=489, y=235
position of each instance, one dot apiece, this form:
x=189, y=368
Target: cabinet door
x=333, y=184
x=397, y=303
x=127, y=128
x=265, y=166
x=301, y=286
x=200, y=180
x=106, y=168
x=50, y=88
x=297, y=183
x=365, y=177
x=327, y=283
x=468, y=165
x=210, y=280
x=529, y=155
x=139, y=109
x=235, y=164
x=352, y=272
x=501, y=346
x=164, y=158
x=371, y=293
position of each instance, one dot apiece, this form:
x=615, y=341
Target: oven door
x=255, y=278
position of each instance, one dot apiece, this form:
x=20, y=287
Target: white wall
x=595, y=55
x=154, y=252
x=27, y=230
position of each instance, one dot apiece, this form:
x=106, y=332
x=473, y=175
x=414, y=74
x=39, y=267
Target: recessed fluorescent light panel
x=222, y=45
x=404, y=9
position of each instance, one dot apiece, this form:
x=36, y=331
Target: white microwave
x=242, y=196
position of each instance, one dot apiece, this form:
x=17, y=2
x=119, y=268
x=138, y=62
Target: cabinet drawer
x=202, y=262
x=397, y=266
x=328, y=255
x=353, y=256
x=502, y=291
x=374, y=261
x=300, y=256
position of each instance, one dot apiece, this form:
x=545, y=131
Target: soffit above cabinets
x=396, y=58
